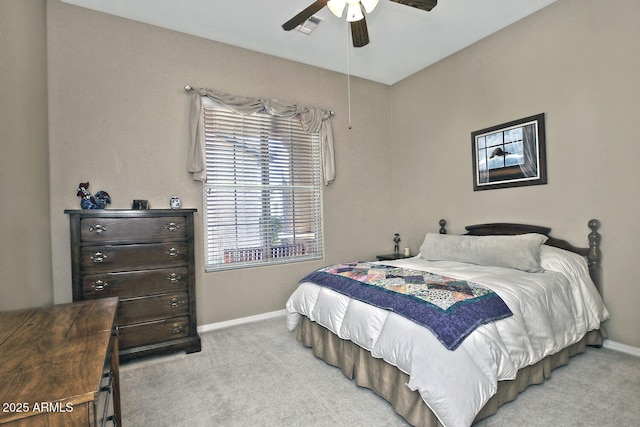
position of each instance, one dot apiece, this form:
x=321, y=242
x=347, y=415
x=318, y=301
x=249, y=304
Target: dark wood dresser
x=146, y=258
x=60, y=366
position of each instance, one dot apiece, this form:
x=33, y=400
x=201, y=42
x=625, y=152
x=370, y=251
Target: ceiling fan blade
x=419, y=4
x=304, y=15
x=359, y=33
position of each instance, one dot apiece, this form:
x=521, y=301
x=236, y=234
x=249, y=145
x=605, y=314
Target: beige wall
x=118, y=119
x=25, y=242
x=578, y=61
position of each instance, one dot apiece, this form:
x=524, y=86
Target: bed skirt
x=389, y=382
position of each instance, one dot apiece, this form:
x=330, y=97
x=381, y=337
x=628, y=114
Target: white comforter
x=551, y=311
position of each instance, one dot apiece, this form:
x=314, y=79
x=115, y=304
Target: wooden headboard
x=592, y=253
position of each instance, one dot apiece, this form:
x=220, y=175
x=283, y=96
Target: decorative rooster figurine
x=97, y=201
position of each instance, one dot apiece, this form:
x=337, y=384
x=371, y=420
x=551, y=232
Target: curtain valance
x=314, y=120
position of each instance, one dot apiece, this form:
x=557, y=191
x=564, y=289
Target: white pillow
x=521, y=252
x=568, y=263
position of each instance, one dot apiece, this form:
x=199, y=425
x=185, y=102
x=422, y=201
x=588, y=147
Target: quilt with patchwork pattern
x=448, y=307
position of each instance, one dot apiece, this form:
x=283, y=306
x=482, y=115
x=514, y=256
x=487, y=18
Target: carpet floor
x=257, y=374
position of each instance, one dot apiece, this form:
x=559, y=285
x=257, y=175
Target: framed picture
x=509, y=155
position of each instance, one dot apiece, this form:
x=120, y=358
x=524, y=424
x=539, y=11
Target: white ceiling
x=403, y=39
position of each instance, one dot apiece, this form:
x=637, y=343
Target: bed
x=539, y=296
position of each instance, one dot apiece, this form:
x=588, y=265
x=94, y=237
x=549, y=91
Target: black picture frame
x=519, y=150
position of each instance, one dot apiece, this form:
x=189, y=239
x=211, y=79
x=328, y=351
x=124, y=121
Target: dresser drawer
x=133, y=257
x=133, y=229
x=144, y=309
x=153, y=332
x=135, y=283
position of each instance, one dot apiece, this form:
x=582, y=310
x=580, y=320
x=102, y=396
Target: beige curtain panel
x=314, y=120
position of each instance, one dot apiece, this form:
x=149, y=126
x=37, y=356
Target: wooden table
x=59, y=365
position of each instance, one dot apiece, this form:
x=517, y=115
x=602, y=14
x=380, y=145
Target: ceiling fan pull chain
x=349, y=73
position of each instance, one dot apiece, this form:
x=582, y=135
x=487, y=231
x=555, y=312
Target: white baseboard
x=623, y=348
x=241, y=321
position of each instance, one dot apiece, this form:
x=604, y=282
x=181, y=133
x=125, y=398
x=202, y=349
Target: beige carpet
x=259, y=375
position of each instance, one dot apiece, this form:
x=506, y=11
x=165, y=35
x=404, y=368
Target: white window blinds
x=263, y=193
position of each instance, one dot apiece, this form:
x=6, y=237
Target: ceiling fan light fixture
x=336, y=7
x=355, y=15
x=354, y=12
x=369, y=5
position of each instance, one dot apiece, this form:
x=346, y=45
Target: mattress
x=552, y=310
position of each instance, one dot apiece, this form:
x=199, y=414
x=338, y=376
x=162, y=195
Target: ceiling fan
x=355, y=15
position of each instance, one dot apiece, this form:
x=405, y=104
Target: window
x=501, y=155
x=262, y=197
x=501, y=149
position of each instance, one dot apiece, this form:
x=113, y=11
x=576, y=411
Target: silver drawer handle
x=176, y=328
x=99, y=229
x=175, y=302
x=173, y=252
x=172, y=226
x=174, y=278
x=98, y=257
x=99, y=285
